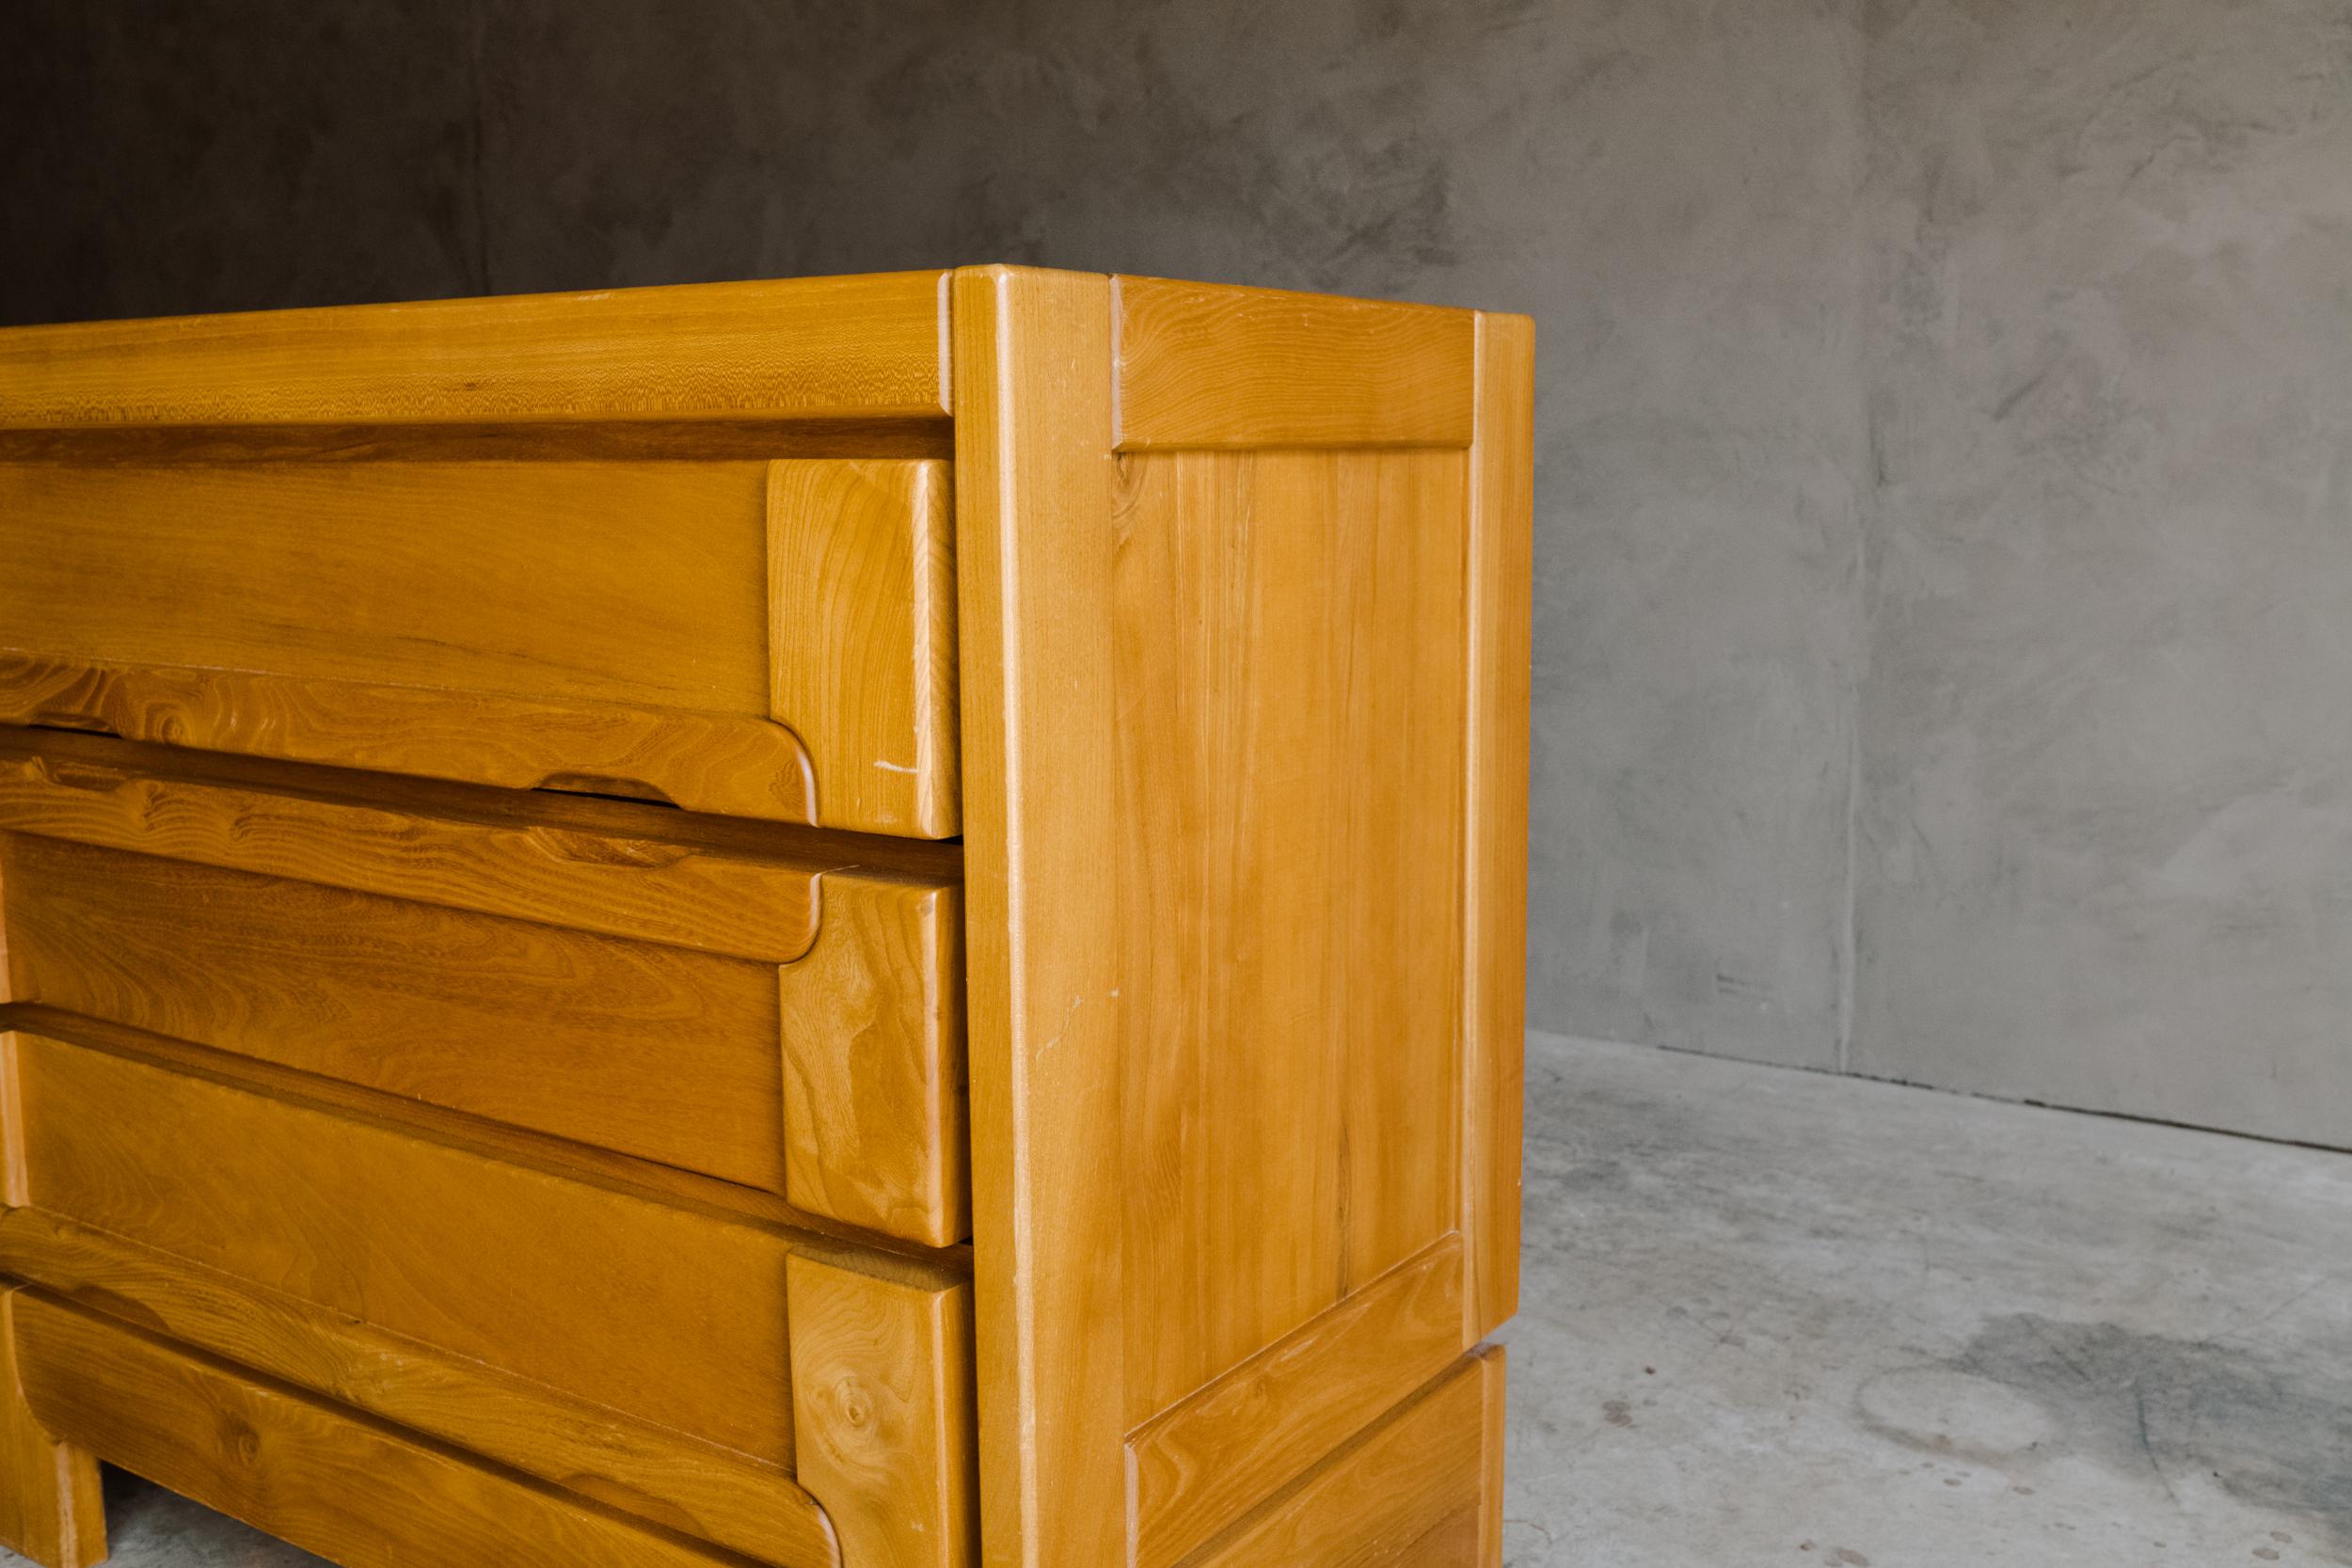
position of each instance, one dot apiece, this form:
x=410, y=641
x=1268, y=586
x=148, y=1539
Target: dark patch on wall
x=171, y=158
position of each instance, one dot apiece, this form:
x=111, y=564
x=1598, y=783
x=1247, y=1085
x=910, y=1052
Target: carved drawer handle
x=596, y=849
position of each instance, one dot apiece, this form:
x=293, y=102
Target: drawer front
x=847, y=1373
x=295, y=1466
x=780, y=1023
x=762, y=638
x=672, y=1316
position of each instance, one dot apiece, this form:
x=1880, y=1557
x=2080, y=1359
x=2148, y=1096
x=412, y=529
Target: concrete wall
x=1943, y=531
x=2105, y=842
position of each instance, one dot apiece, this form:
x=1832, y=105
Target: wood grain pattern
x=622, y=887
x=630, y=584
x=682, y=608
x=13, y=1188
x=829, y=346
x=644, y=829
x=597, y=624
x=1271, y=1054
x=1494, y=1384
x=1131, y=721
x=665, y=1054
x=1290, y=657
x=8, y=1122
x=875, y=1109
x=1414, y=1492
x=697, y=1488
x=672, y=439
x=863, y=554
x=1254, y=369
x=656, y=1052
x=1494, y=916
x=882, y=1385
x=51, y=1509
x=291, y=1465
x=472, y=1257
x=1033, y=553
x=703, y=762
x=502, y=1143
x=1208, y=1460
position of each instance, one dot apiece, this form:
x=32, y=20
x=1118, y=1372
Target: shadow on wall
x=1945, y=517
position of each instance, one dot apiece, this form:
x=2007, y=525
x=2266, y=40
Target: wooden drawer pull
x=95, y=777
x=81, y=723
x=598, y=849
x=700, y=1017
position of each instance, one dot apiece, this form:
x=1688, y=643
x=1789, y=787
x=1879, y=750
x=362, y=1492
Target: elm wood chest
x=867, y=922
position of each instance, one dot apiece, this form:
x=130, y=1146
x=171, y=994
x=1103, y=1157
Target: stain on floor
x=2272, y=1427
x=1880, y=1325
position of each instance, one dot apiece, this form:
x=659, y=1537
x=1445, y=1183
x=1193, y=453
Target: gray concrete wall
x=2105, y=842
x=1942, y=504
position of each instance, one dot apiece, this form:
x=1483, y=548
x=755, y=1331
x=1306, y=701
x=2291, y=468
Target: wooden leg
x=1491, y=1385
x=50, y=1506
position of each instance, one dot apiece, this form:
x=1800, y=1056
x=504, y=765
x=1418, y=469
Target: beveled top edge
x=866, y=346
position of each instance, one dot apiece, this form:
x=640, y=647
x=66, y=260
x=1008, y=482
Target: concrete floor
x=1773, y=1317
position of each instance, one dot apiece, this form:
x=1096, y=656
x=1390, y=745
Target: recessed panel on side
x=1292, y=682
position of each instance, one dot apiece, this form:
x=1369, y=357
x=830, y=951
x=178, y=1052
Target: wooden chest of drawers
x=868, y=922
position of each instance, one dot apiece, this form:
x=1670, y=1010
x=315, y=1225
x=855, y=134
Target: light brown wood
x=1112, y=691
x=603, y=626
x=50, y=1507
x=8, y=1123
x=622, y=887
x=703, y=762
x=658, y=1052
x=635, y=584
x=881, y=1388
x=667, y=1054
x=697, y=1488
x=865, y=552
x=1253, y=369
x=12, y=1176
x=1207, y=1460
x=646, y=829
x=865, y=347
x=1414, y=1492
x=434, y=1243
x=1033, y=555
x=876, y=1128
x=1493, y=1386
x=502, y=1143
x=1290, y=657
x=1494, y=917
x=51, y=1510
x=290, y=1465
x=1271, y=1056
x=761, y=440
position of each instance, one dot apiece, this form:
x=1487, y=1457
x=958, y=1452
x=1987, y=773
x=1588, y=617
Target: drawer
x=785, y=1020
x=194, y=1209
x=753, y=638
x=286, y=1464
